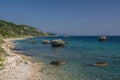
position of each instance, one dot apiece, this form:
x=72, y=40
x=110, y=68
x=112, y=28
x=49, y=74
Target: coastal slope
x=10, y=29
x=14, y=65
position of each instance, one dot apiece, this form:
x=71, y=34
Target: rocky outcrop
x=102, y=38
x=57, y=43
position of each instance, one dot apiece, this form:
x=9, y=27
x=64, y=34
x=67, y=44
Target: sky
x=72, y=17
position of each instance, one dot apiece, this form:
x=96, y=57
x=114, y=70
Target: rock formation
x=57, y=43
x=102, y=38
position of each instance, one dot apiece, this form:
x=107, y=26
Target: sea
x=80, y=54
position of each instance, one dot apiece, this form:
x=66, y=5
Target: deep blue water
x=79, y=53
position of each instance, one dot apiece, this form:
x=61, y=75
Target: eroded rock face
x=57, y=43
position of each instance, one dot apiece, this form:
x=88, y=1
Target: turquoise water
x=79, y=53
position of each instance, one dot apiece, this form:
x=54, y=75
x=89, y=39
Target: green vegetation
x=9, y=29
x=1, y=40
x=2, y=51
x=1, y=64
x=2, y=55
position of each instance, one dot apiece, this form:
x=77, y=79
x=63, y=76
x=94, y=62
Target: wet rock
x=102, y=38
x=66, y=42
x=57, y=43
x=32, y=42
x=100, y=64
x=58, y=62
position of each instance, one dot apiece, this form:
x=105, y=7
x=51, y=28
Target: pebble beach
x=18, y=66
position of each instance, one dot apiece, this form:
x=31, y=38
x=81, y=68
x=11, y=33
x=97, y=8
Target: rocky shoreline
x=18, y=66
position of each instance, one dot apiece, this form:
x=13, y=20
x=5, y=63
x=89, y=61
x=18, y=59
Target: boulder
x=102, y=38
x=57, y=43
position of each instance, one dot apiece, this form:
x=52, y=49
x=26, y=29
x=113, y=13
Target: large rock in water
x=102, y=38
x=57, y=43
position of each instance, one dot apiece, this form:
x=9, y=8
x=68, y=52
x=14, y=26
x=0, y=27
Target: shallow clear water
x=79, y=53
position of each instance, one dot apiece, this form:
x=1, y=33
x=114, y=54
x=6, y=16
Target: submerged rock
x=58, y=62
x=66, y=42
x=100, y=64
x=57, y=43
x=22, y=41
x=102, y=38
x=32, y=42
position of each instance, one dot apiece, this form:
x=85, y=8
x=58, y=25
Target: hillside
x=9, y=29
